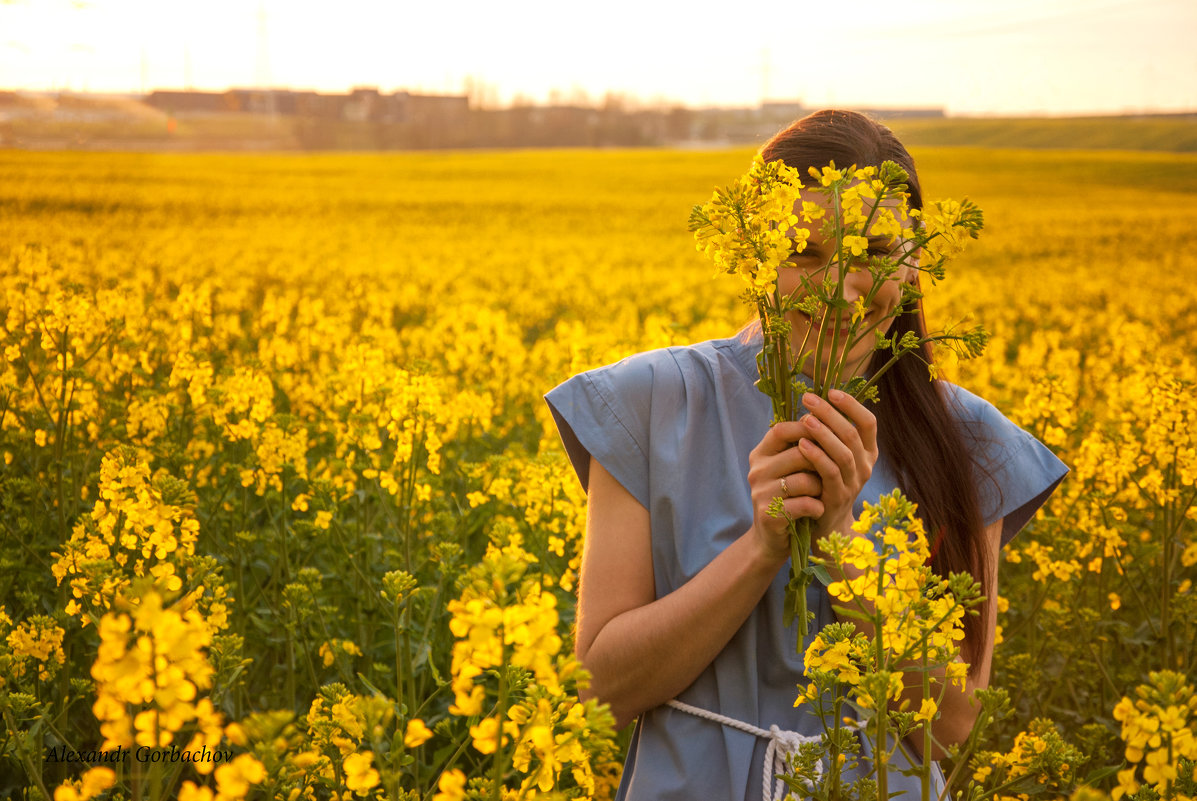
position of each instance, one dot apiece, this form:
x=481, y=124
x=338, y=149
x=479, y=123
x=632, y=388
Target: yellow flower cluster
x=1159, y=728
x=149, y=673
x=93, y=782
x=337, y=749
x=140, y=526
x=329, y=650
x=1039, y=760
x=949, y=225
x=233, y=781
x=749, y=229
x=892, y=583
x=493, y=632
x=51, y=330
x=39, y=638
x=912, y=622
x=858, y=203
x=536, y=505
x=504, y=620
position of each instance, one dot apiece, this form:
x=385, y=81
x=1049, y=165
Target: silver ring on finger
x=785, y=491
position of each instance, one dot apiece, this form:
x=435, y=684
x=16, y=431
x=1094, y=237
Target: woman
x=684, y=569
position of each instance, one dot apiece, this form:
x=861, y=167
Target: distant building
x=902, y=113
x=187, y=101
x=367, y=118
x=423, y=109
x=318, y=106
x=364, y=104
x=263, y=101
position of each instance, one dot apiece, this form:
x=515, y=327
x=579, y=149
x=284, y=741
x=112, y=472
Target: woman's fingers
x=830, y=443
x=824, y=458
x=775, y=481
x=776, y=455
x=851, y=424
x=806, y=506
x=813, y=467
x=849, y=417
x=830, y=472
x=826, y=413
x=799, y=484
x=781, y=437
x=796, y=506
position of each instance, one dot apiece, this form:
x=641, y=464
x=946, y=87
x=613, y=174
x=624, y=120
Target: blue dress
x=675, y=427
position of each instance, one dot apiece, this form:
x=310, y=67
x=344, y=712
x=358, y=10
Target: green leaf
x=820, y=572
x=1099, y=775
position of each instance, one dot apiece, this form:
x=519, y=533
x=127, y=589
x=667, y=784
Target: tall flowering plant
x=903, y=629
x=755, y=227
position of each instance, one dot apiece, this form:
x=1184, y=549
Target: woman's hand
x=840, y=443
x=821, y=475
x=778, y=469
x=642, y=650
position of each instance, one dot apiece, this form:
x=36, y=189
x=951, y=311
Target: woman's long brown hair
x=922, y=440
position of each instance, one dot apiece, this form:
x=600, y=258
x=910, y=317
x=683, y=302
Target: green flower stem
x=1169, y=511
x=448, y=764
x=156, y=766
x=894, y=360
x=33, y=771
x=836, y=371
x=404, y=648
x=395, y=620
x=60, y=430
x=925, y=770
x=795, y=602
x=499, y=765
x=881, y=754
x=427, y=628
x=835, y=752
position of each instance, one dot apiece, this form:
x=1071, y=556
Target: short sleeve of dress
x=1018, y=472
x=606, y=413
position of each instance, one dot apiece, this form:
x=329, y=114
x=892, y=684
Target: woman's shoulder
x=626, y=412
x=981, y=420
x=1019, y=472
x=985, y=428
x=677, y=367
x=965, y=404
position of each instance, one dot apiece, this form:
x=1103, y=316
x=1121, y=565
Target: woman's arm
x=642, y=650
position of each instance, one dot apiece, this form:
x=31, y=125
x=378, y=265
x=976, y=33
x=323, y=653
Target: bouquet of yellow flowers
x=754, y=228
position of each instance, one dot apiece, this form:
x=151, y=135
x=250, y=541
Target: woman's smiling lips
x=843, y=327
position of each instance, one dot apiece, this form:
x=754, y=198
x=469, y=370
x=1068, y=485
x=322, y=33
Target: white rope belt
x=782, y=744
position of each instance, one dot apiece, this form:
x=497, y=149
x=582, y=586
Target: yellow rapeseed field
x=282, y=513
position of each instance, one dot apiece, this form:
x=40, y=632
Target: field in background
x=332, y=365
x=87, y=122
x=1170, y=133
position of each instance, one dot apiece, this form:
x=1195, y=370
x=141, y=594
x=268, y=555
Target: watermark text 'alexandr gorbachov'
x=142, y=753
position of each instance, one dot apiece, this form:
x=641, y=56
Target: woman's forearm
x=645, y=656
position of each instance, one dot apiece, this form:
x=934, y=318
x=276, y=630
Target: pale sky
x=1001, y=56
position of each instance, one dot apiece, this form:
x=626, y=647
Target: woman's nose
x=857, y=283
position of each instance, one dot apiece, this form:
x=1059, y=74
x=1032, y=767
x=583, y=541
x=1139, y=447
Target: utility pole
x=262, y=76
x=263, y=70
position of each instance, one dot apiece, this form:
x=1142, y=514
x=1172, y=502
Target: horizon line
x=627, y=100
